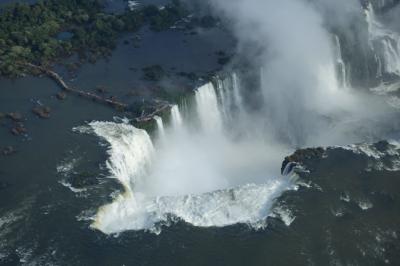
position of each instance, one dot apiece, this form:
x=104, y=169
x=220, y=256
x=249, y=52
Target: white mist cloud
x=298, y=58
x=298, y=65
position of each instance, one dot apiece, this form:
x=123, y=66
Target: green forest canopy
x=30, y=33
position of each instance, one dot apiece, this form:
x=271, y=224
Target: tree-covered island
x=49, y=30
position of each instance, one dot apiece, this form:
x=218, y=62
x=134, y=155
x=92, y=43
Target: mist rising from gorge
x=216, y=159
x=305, y=103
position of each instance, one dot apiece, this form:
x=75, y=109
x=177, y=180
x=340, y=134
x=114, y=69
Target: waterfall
x=220, y=163
x=222, y=96
x=294, y=104
x=229, y=93
x=226, y=91
x=381, y=4
x=236, y=93
x=130, y=153
x=379, y=68
x=176, y=116
x=341, y=65
x=160, y=126
x=206, y=173
x=384, y=42
x=199, y=173
x=207, y=108
x=391, y=51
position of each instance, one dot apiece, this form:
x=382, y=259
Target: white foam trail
x=387, y=159
x=66, y=167
x=248, y=204
x=285, y=215
x=70, y=187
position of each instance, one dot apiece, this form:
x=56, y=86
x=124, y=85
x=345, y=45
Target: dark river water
x=347, y=209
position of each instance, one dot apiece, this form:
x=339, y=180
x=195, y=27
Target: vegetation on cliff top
x=53, y=29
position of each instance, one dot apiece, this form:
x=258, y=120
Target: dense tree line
x=30, y=33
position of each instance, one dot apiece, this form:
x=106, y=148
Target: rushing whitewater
x=201, y=174
x=217, y=162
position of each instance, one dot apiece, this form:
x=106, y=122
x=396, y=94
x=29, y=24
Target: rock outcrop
x=18, y=129
x=15, y=116
x=8, y=150
x=61, y=95
x=301, y=155
x=42, y=111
